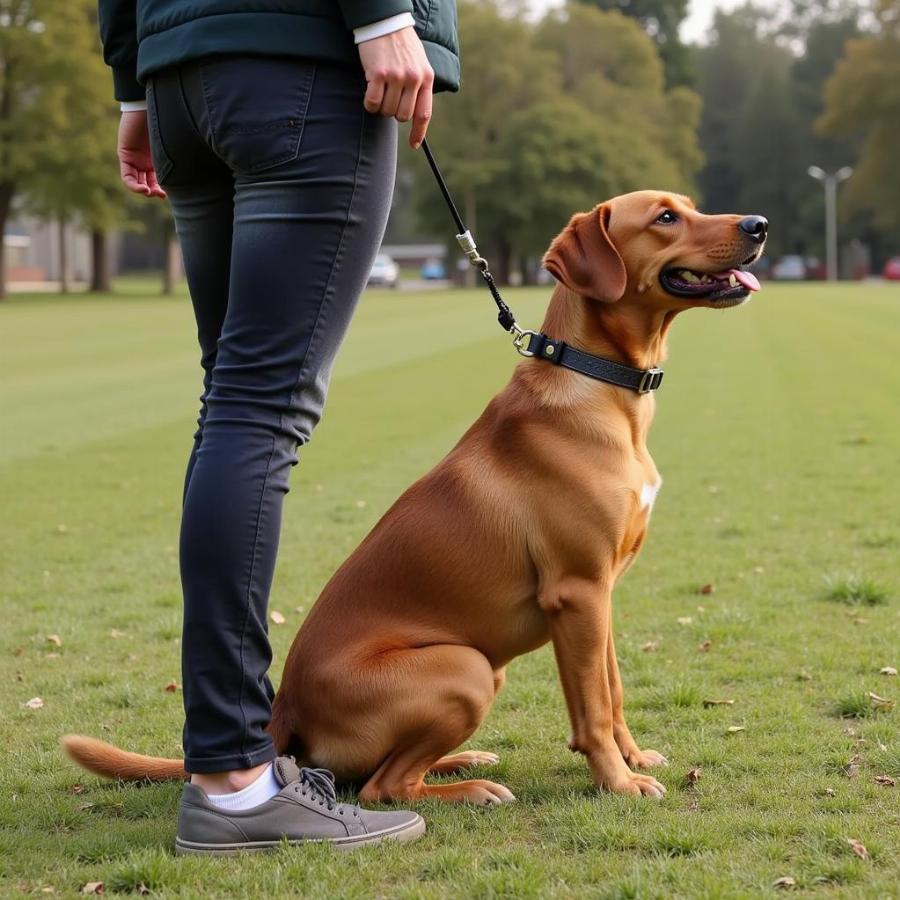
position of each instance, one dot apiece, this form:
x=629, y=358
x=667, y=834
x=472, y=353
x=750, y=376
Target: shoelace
x=320, y=783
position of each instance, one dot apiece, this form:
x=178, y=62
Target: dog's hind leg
x=469, y=759
x=441, y=695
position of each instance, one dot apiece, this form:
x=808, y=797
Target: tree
x=51, y=107
x=863, y=98
x=503, y=72
x=551, y=120
x=661, y=20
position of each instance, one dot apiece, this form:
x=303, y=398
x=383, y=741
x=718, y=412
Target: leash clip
x=467, y=245
x=522, y=340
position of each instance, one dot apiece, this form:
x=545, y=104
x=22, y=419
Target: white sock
x=264, y=788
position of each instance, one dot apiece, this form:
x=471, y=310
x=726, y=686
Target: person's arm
x=118, y=34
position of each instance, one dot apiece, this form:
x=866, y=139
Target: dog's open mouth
x=716, y=287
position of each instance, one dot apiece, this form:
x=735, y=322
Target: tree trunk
x=100, y=277
x=6, y=194
x=504, y=261
x=471, y=223
x=63, y=257
x=170, y=259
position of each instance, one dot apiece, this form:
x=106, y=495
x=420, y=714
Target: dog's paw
x=467, y=759
x=480, y=792
x=640, y=785
x=645, y=759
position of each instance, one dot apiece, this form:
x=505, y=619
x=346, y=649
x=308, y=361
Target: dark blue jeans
x=280, y=184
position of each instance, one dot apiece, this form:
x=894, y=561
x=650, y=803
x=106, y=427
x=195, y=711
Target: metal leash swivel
x=506, y=318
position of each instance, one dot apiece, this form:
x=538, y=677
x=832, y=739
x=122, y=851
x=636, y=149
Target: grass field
x=778, y=436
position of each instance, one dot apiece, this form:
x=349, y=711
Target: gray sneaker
x=306, y=809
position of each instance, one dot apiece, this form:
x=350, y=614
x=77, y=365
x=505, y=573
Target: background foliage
x=596, y=98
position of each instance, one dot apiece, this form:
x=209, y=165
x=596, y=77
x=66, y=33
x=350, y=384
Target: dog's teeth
x=732, y=280
x=689, y=276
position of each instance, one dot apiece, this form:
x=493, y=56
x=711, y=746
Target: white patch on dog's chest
x=648, y=495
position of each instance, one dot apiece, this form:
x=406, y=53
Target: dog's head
x=655, y=249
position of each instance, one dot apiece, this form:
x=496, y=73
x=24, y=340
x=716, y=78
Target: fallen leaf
x=277, y=617
x=829, y=791
x=707, y=588
x=734, y=729
x=55, y=639
x=93, y=887
x=143, y=889
x=77, y=789
x=51, y=656
x=880, y=702
x=171, y=687
x=34, y=703
x=858, y=848
x=887, y=670
x=704, y=646
x=685, y=620
x=693, y=776
x=885, y=780
x=115, y=633
x=784, y=882
x=852, y=766
x=650, y=647
x=85, y=806
x=718, y=702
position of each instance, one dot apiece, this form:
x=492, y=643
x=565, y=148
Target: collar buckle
x=651, y=380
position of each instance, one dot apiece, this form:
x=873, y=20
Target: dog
x=516, y=538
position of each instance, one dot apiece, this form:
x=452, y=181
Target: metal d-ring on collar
x=535, y=343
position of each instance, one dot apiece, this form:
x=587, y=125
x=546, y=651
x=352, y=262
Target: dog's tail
x=111, y=762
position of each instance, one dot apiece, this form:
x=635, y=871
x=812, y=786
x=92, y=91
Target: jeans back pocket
x=256, y=108
x=162, y=163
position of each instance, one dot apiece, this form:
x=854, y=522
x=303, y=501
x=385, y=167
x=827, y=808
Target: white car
x=789, y=268
x=384, y=271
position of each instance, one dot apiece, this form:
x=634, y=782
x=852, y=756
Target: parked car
x=432, y=270
x=789, y=268
x=384, y=272
x=892, y=269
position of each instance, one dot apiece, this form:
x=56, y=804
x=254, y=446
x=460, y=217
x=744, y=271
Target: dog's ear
x=584, y=258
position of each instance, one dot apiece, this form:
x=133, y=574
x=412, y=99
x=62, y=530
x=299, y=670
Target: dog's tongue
x=747, y=279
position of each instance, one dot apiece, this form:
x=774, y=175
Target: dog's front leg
x=631, y=753
x=579, y=616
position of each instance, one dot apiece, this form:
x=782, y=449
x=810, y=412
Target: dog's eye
x=666, y=217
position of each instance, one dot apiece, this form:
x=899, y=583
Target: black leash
x=534, y=343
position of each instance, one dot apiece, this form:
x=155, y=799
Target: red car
x=892, y=269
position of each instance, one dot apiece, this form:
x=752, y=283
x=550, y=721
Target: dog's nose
x=755, y=227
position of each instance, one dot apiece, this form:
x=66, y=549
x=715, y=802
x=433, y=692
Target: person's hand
x=399, y=80
x=135, y=161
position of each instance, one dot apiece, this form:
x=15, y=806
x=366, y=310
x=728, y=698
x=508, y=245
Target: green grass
x=777, y=435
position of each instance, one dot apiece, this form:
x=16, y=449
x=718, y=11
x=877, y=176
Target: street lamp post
x=830, y=181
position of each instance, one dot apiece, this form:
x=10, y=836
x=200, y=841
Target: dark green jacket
x=142, y=36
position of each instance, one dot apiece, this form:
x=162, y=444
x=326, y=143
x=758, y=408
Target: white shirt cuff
x=385, y=26
x=133, y=105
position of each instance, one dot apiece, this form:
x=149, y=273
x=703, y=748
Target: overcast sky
x=700, y=13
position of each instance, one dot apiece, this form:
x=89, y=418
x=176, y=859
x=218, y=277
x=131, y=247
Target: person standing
x=271, y=126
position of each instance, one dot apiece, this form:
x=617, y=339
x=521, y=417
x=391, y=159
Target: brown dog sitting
x=517, y=537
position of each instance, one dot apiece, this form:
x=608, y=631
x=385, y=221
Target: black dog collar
x=642, y=381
